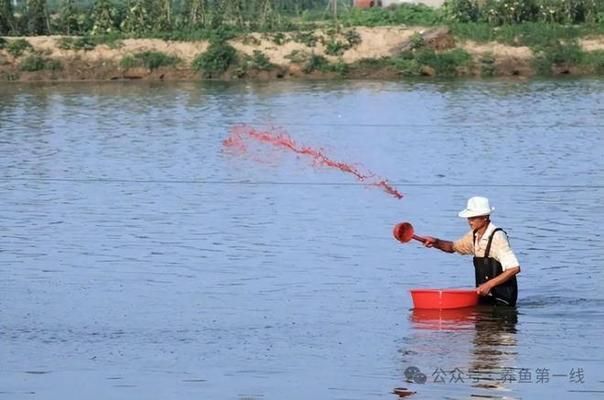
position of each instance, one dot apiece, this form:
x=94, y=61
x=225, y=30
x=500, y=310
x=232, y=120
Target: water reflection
x=463, y=349
x=494, y=352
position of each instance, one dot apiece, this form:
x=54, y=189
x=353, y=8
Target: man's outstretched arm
x=440, y=244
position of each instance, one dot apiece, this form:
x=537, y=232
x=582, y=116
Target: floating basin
x=439, y=299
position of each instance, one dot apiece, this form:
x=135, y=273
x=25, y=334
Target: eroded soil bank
x=288, y=57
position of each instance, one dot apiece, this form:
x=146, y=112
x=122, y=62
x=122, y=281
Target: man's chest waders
x=487, y=268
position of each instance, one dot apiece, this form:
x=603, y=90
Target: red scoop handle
x=419, y=238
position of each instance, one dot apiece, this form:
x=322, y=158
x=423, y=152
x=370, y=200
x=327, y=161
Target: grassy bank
x=350, y=53
x=464, y=38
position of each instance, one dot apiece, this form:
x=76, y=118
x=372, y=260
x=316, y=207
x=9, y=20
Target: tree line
x=178, y=18
x=140, y=17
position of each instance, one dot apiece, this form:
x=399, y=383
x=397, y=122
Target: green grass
x=335, y=47
x=408, y=14
x=9, y=76
x=316, y=63
x=531, y=34
x=309, y=39
x=76, y=43
x=373, y=63
x=149, y=59
x=595, y=59
x=407, y=66
x=566, y=55
x=278, y=38
x=18, y=47
x=444, y=64
x=298, y=56
x=479, y=32
x=258, y=60
x=487, y=66
x=37, y=62
x=111, y=40
x=353, y=38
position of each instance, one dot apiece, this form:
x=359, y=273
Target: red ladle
x=403, y=232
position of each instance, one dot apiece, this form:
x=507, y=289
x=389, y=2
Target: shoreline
x=354, y=53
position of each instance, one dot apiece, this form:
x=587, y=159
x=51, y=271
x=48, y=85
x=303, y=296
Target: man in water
x=495, y=264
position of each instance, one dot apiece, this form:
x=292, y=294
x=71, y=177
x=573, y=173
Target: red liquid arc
x=240, y=134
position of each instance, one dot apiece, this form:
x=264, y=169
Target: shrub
x=216, y=60
x=251, y=40
x=373, y=63
x=505, y=12
x=372, y=17
x=335, y=47
x=409, y=14
x=340, y=68
x=566, y=11
x=279, y=38
x=500, y=12
x=259, y=61
x=9, y=76
x=416, y=14
x=444, y=64
x=79, y=43
x=487, y=65
x=149, y=59
x=558, y=55
x=353, y=38
x=298, y=56
x=36, y=62
x=408, y=66
x=17, y=47
x=417, y=41
x=2, y=43
x=111, y=40
x=462, y=10
x=595, y=59
x=316, y=63
x=307, y=38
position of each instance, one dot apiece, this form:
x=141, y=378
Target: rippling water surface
x=139, y=259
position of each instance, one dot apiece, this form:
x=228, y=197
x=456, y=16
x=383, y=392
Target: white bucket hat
x=477, y=206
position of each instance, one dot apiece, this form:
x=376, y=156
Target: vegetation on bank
x=551, y=28
x=203, y=19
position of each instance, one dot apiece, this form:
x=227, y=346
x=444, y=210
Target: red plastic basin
x=443, y=298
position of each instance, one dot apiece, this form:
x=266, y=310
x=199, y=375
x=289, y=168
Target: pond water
x=139, y=258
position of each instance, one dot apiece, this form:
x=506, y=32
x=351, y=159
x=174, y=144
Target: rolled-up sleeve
x=502, y=251
x=465, y=244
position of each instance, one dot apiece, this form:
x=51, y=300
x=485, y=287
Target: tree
x=235, y=11
x=139, y=17
x=103, y=17
x=7, y=18
x=195, y=14
x=68, y=18
x=266, y=13
x=37, y=17
x=218, y=13
x=164, y=15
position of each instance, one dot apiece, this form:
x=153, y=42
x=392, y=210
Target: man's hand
x=430, y=241
x=484, y=289
x=440, y=244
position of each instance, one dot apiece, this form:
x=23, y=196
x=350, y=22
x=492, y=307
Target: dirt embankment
x=105, y=63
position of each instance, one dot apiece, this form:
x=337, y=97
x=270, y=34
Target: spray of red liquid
x=240, y=135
